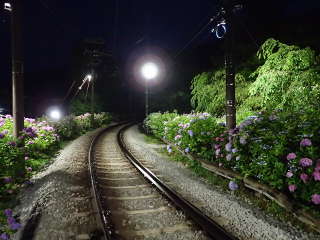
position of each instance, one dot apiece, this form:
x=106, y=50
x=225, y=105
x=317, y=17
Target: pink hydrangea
x=289, y=174
x=305, y=142
x=315, y=199
x=304, y=177
x=305, y=162
x=291, y=156
x=316, y=176
x=292, y=187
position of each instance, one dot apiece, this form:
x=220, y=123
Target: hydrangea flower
x=291, y=156
x=187, y=150
x=304, y=177
x=243, y=140
x=233, y=186
x=315, y=198
x=289, y=174
x=228, y=147
x=15, y=226
x=190, y=132
x=12, y=144
x=169, y=149
x=305, y=162
x=292, y=187
x=4, y=236
x=229, y=157
x=238, y=158
x=8, y=212
x=218, y=151
x=1, y=135
x=305, y=142
x=234, y=150
x=177, y=137
x=29, y=169
x=316, y=176
x=216, y=146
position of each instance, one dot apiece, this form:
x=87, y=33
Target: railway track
x=133, y=203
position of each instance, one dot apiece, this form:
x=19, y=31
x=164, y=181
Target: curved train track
x=133, y=203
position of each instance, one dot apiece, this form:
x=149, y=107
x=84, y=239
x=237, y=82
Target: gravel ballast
x=240, y=218
x=58, y=205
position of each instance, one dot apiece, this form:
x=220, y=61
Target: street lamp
x=149, y=71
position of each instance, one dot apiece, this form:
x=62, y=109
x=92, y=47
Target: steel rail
x=103, y=219
x=213, y=229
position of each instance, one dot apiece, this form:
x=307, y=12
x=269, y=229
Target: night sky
x=52, y=29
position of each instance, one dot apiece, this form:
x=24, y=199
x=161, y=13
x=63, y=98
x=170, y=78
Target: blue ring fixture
x=224, y=28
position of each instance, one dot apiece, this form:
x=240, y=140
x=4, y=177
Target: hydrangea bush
x=38, y=140
x=191, y=132
x=278, y=148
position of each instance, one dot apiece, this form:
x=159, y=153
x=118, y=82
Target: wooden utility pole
x=17, y=68
x=229, y=65
x=93, y=77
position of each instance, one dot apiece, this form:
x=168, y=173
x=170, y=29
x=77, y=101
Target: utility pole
x=92, y=97
x=229, y=65
x=17, y=68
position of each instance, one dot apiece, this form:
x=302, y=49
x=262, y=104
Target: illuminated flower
x=292, y=187
x=7, y=179
x=305, y=162
x=190, y=132
x=228, y=147
x=291, y=156
x=238, y=158
x=177, y=137
x=304, y=177
x=15, y=226
x=1, y=135
x=12, y=143
x=229, y=157
x=216, y=146
x=233, y=185
x=234, y=150
x=305, y=142
x=315, y=199
x=316, y=176
x=29, y=169
x=187, y=150
x=4, y=236
x=218, y=151
x=243, y=140
x=289, y=174
x=8, y=212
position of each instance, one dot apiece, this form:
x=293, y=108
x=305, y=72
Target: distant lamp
x=7, y=6
x=89, y=76
x=55, y=114
x=149, y=70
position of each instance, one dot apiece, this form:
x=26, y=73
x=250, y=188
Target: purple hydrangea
x=289, y=174
x=4, y=236
x=187, y=150
x=234, y=150
x=233, y=185
x=217, y=146
x=305, y=162
x=316, y=176
x=229, y=157
x=228, y=147
x=315, y=198
x=1, y=135
x=291, y=156
x=29, y=169
x=177, y=137
x=304, y=177
x=7, y=179
x=218, y=151
x=8, y=212
x=305, y=142
x=238, y=158
x=292, y=187
x=169, y=148
x=12, y=144
x=15, y=226
x=190, y=132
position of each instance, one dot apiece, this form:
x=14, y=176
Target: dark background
x=53, y=31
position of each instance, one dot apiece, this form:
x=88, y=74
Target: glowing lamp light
x=149, y=70
x=55, y=114
x=89, y=77
x=7, y=6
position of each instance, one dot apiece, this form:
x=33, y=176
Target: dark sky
x=52, y=28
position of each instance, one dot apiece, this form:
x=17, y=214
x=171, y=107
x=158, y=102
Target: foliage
x=269, y=147
x=279, y=77
x=33, y=149
x=191, y=132
x=82, y=104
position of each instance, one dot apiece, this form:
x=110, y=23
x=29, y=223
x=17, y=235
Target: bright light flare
x=149, y=70
x=89, y=77
x=55, y=114
x=7, y=6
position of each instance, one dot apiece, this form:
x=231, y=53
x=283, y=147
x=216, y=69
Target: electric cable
x=248, y=32
x=88, y=85
x=69, y=91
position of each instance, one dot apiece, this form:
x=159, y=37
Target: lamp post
x=149, y=71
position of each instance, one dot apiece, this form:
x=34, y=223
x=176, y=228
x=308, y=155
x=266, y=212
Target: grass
x=264, y=204
x=152, y=139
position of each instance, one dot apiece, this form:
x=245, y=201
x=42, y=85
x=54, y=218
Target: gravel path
x=240, y=218
x=58, y=205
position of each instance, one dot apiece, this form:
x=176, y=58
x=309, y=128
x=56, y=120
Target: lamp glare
x=149, y=70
